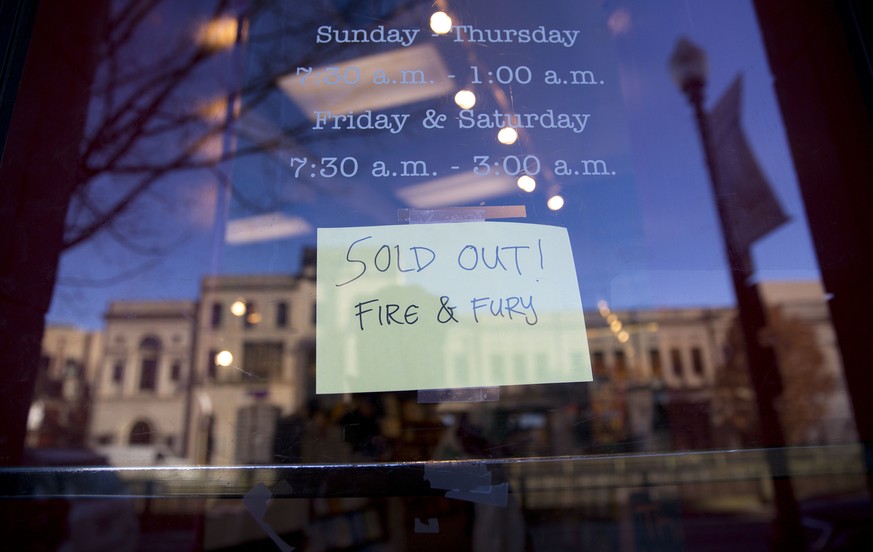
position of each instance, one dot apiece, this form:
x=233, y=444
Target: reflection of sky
x=647, y=236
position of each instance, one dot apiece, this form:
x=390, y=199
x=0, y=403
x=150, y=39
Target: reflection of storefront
x=627, y=407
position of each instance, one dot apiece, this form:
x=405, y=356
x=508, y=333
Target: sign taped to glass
x=447, y=306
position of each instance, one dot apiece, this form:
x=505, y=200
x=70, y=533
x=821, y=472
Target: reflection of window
x=676, y=362
x=655, y=359
x=216, y=315
x=281, y=314
x=118, y=371
x=148, y=377
x=497, y=366
x=71, y=368
x=697, y=361
x=252, y=315
x=598, y=363
x=141, y=433
x=255, y=429
x=176, y=370
x=212, y=364
x=620, y=365
x=150, y=350
x=262, y=359
x=519, y=365
x=461, y=364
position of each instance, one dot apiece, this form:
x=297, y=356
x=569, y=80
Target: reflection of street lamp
x=689, y=68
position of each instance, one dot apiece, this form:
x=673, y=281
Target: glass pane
x=583, y=249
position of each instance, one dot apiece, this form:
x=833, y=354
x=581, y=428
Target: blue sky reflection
x=646, y=236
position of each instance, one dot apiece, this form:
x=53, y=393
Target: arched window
x=141, y=433
x=150, y=352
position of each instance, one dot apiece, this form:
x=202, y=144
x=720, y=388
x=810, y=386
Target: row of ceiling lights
x=441, y=23
x=222, y=33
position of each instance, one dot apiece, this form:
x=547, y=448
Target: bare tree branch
x=142, y=104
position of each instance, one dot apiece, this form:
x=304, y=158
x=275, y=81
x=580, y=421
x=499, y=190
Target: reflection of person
x=288, y=443
x=361, y=430
x=495, y=528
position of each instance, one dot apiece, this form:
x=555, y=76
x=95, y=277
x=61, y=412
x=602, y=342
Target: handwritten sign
x=447, y=305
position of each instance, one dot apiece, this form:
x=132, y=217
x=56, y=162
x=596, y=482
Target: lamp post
x=226, y=32
x=689, y=67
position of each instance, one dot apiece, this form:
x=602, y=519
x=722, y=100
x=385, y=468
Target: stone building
x=653, y=375
x=806, y=301
x=62, y=397
x=254, y=362
x=214, y=379
x=141, y=387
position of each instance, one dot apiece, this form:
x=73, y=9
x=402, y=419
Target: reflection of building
x=59, y=413
x=653, y=375
x=251, y=349
x=140, y=389
x=665, y=364
x=255, y=343
x=805, y=301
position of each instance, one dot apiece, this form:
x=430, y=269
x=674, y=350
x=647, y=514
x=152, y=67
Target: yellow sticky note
x=437, y=306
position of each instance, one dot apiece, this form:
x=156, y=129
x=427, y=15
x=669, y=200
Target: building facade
x=213, y=380
x=142, y=384
x=254, y=362
x=62, y=398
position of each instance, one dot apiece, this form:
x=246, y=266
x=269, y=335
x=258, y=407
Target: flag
x=751, y=208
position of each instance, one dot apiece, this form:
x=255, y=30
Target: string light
x=527, y=183
x=507, y=136
x=555, y=202
x=440, y=23
x=465, y=99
